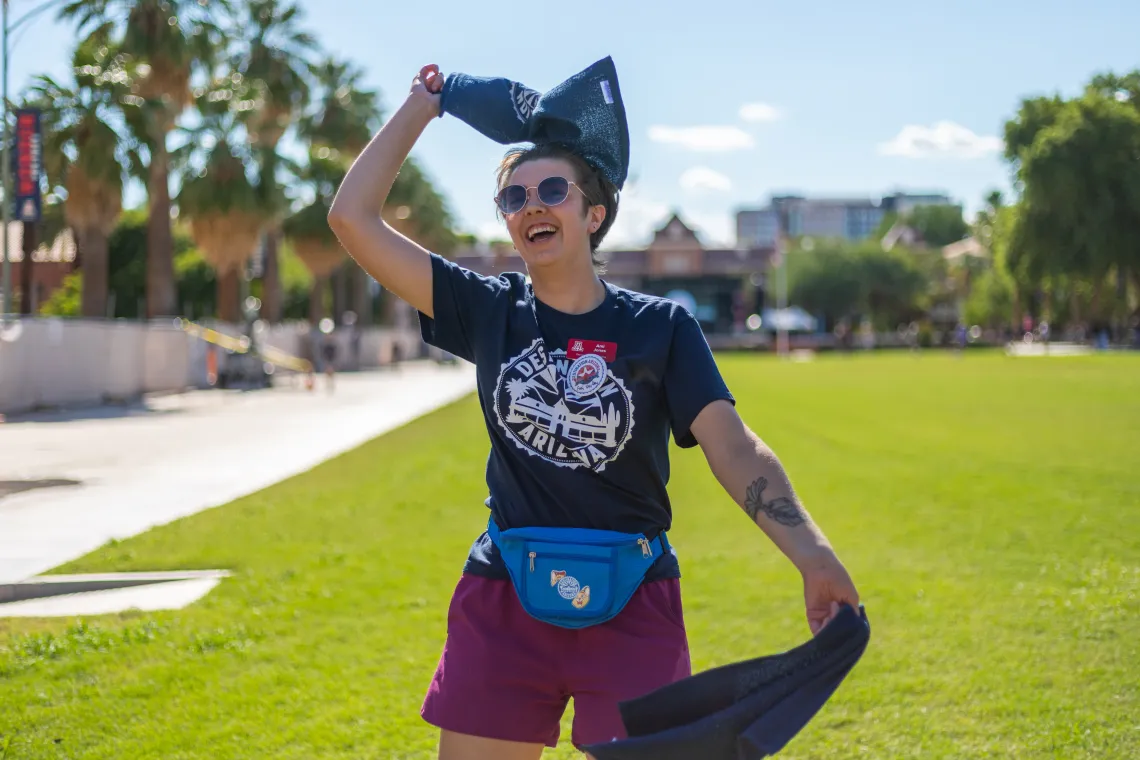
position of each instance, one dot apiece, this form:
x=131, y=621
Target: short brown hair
x=598, y=190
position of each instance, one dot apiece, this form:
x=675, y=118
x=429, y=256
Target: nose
x=536, y=204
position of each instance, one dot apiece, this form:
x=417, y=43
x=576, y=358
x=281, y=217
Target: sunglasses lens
x=511, y=198
x=553, y=190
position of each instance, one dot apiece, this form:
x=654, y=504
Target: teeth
x=530, y=233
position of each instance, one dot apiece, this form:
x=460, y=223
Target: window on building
x=676, y=263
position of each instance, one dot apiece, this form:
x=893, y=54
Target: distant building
x=967, y=247
x=844, y=218
x=902, y=234
x=50, y=264
x=904, y=203
x=721, y=287
x=758, y=226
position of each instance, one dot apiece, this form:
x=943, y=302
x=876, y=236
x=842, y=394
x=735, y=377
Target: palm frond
x=305, y=41
x=84, y=13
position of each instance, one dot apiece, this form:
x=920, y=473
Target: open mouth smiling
x=540, y=232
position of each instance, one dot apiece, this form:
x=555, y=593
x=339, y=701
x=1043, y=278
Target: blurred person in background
x=328, y=352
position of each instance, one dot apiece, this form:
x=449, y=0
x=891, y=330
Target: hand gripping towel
x=584, y=114
x=743, y=711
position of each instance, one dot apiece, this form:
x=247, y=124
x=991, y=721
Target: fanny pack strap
x=494, y=532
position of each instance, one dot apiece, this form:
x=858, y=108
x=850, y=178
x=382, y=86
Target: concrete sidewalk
x=69, y=482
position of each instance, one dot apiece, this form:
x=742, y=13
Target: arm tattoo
x=781, y=509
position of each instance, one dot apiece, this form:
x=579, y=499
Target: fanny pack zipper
x=642, y=542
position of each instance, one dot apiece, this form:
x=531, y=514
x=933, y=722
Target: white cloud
x=705, y=138
x=716, y=230
x=760, y=112
x=638, y=216
x=943, y=140
x=701, y=178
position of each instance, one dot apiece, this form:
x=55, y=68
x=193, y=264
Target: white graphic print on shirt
x=564, y=412
x=525, y=100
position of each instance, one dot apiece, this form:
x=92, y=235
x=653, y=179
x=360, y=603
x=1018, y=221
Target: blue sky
x=729, y=102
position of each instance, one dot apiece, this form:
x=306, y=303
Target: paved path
x=134, y=468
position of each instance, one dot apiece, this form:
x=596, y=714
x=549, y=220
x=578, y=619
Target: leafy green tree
x=1077, y=169
x=890, y=218
x=126, y=274
x=939, y=225
x=67, y=299
x=845, y=281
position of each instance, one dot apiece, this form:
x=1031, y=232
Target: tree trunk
x=95, y=248
x=271, y=296
x=361, y=298
x=340, y=292
x=27, y=282
x=160, y=294
x=389, y=308
x=229, y=296
x=77, y=262
x=1097, y=294
x=1121, y=291
x=1136, y=284
x=1074, y=304
x=317, y=301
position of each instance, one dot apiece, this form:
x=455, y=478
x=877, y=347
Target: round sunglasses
x=551, y=191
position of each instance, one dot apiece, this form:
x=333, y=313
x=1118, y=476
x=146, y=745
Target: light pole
x=7, y=177
x=7, y=170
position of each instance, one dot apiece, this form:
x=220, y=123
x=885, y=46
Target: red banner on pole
x=29, y=165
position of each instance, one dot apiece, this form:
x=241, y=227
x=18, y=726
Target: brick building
x=720, y=286
x=50, y=264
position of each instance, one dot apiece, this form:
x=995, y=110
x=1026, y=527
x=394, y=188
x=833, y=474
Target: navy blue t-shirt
x=581, y=442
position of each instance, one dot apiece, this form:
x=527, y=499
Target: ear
x=597, y=215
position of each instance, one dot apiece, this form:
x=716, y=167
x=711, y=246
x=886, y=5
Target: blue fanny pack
x=575, y=577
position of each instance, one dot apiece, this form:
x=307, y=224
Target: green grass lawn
x=988, y=509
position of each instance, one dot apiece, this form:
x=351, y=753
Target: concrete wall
x=47, y=362
x=50, y=362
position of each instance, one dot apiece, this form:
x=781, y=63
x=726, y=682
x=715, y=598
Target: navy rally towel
x=585, y=114
x=744, y=711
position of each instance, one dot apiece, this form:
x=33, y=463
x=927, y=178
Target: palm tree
x=272, y=58
x=84, y=154
x=168, y=40
x=416, y=209
x=345, y=117
x=225, y=209
x=308, y=229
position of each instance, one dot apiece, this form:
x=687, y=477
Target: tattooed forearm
x=781, y=509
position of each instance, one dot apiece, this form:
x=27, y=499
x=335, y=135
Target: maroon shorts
x=505, y=675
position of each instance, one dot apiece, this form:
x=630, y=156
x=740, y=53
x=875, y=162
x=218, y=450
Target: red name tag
x=577, y=347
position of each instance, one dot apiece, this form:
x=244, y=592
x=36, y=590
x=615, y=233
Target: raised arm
x=752, y=475
x=393, y=260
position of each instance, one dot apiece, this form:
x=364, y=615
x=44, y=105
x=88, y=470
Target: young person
x=581, y=384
